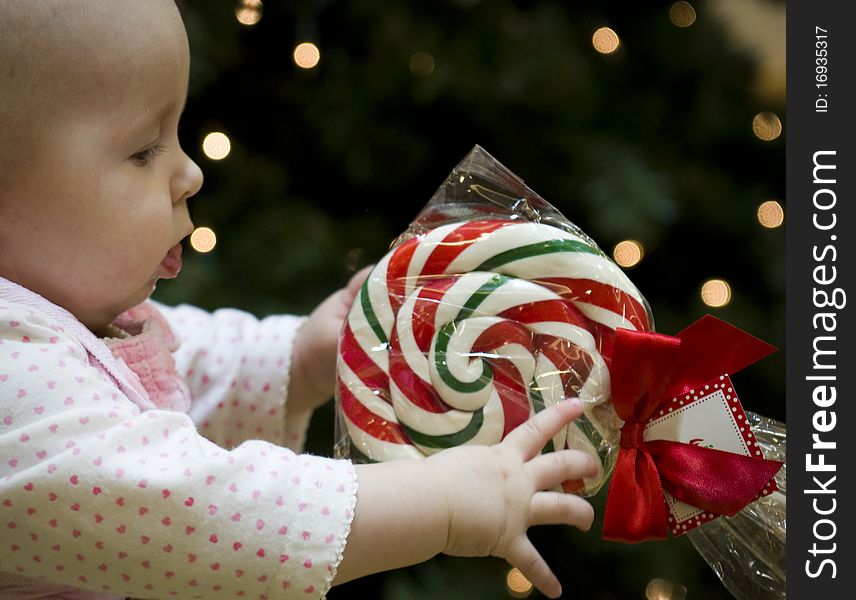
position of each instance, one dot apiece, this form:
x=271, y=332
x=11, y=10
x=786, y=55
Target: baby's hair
x=33, y=49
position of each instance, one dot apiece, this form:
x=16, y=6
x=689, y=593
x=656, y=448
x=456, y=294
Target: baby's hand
x=495, y=493
x=313, y=370
x=469, y=501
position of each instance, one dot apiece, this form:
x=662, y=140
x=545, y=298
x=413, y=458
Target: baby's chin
x=140, y=296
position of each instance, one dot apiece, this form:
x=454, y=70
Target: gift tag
x=710, y=416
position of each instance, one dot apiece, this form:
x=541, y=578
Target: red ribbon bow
x=651, y=369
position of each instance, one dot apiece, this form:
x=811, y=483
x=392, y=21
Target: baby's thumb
x=357, y=280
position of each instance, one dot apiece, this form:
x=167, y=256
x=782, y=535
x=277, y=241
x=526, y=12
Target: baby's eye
x=143, y=157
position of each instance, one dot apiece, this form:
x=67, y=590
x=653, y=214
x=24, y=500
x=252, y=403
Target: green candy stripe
x=590, y=432
x=537, y=249
x=465, y=387
x=449, y=440
x=370, y=314
x=479, y=296
x=357, y=456
x=445, y=334
x=538, y=406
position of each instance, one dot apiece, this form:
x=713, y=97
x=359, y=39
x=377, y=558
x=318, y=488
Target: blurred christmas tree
x=642, y=132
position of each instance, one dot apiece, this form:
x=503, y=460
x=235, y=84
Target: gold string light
x=682, y=14
x=716, y=293
x=249, y=12
x=203, y=239
x=605, y=40
x=306, y=55
x=216, y=145
x=518, y=585
x=628, y=253
x=767, y=126
x=663, y=589
x=771, y=214
x=421, y=64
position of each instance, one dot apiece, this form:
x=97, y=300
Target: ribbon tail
x=635, y=505
x=711, y=347
x=714, y=480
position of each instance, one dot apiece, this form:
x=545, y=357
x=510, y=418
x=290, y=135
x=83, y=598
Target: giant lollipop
x=462, y=332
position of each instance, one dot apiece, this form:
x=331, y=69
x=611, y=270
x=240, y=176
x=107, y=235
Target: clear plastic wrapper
x=491, y=306
x=488, y=308
x=747, y=551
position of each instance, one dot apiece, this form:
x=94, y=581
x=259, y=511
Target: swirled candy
x=461, y=334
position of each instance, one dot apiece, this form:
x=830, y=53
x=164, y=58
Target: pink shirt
x=156, y=466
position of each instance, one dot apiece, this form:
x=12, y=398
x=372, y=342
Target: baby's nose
x=188, y=181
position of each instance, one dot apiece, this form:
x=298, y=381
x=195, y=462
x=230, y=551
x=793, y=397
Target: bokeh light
x=518, y=585
x=628, y=253
x=249, y=12
x=203, y=239
x=216, y=145
x=663, y=589
x=306, y=55
x=716, y=292
x=422, y=64
x=682, y=14
x=771, y=214
x=767, y=126
x=605, y=40
x=353, y=259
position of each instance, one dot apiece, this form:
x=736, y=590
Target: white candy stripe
x=596, y=388
x=379, y=296
x=514, y=292
x=466, y=366
x=507, y=238
x=463, y=365
x=416, y=360
x=366, y=395
x=603, y=316
x=548, y=381
x=377, y=449
x=520, y=357
x=454, y=398
x=455, y=421
x=457, y=295
x=494, y=423
x=580, y=265
x=577, y=440
x=366, y=338
x=574, y=334
x=519, y=234
x=425, y=421
x=577, y=265
x=426, y=246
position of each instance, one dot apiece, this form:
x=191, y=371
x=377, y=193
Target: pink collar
x=147, y=352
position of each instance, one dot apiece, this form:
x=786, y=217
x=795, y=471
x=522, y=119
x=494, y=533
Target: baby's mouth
x=171, y=264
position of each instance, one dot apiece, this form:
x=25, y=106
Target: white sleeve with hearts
x=96, y=494
x=237, y=369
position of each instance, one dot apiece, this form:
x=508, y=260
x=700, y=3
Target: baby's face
x=88, y=218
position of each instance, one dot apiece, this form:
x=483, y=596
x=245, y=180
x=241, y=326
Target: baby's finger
x=357, y=279
x=553, y=468
x=556, y=508
x=523, y=555
x=532, y=436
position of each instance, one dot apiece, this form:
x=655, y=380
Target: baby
x=149, y=451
